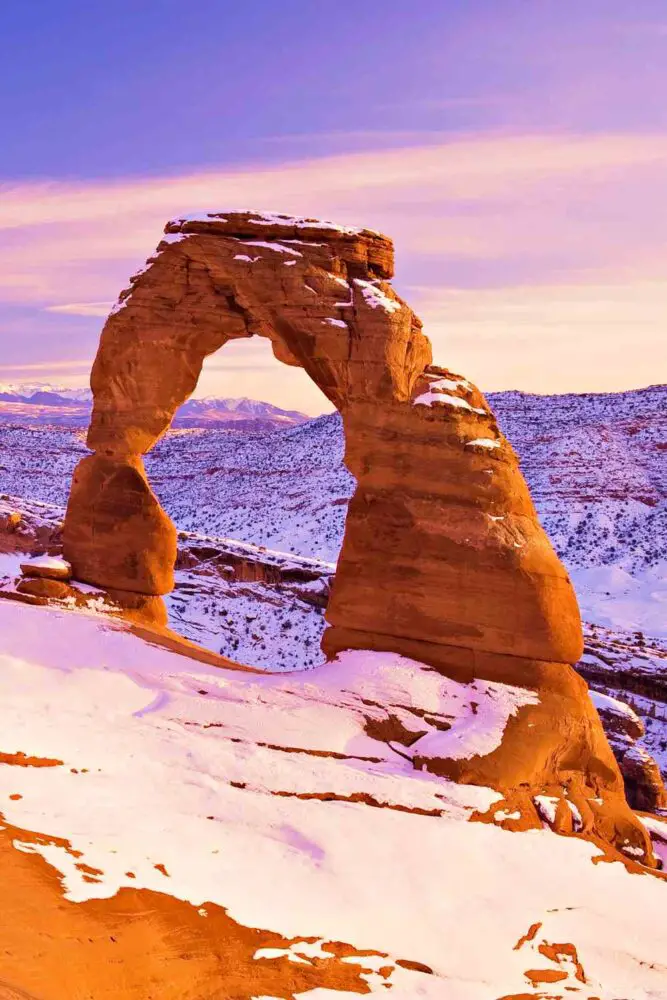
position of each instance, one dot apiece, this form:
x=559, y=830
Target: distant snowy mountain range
x=44, y=404
x=43, y=394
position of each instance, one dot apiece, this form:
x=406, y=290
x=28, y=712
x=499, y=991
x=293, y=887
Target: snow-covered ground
x=276, y=625
x=633, y=602
x=277, y=781
x=288, y=491
x=595, y=465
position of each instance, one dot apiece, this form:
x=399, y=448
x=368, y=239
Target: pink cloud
x=78, y=365
x=550, y=338
x=471, y=168
x=562, y=235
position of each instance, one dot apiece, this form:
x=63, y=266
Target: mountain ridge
x=46, y=404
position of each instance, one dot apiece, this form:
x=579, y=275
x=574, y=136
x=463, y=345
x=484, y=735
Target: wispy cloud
x=472, y=168
x=82, y=308
x=452, y=102
x=79, y=365
x=550, y=338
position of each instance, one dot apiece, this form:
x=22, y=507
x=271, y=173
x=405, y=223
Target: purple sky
x=516, y=152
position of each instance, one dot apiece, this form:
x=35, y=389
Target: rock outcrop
x=47, y=567
x=443, y=558
x=644, y=786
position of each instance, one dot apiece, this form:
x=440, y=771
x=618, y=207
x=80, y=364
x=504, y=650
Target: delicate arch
x=443, y=558
x=442, y=546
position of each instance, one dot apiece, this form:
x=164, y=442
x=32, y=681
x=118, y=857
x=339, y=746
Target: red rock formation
x=443, y=557
x=439, y=488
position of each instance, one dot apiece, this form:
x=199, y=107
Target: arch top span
x=364, y=252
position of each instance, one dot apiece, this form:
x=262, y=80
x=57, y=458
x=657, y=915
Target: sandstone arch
x=443, y=558
x=441, y=515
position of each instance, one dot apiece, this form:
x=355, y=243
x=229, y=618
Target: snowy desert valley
x=276, y=815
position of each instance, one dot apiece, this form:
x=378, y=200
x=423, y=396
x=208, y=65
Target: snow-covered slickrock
x=443, y=559
x=179, y=831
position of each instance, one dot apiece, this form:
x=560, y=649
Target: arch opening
x=248, y=368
